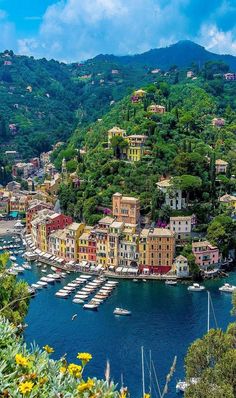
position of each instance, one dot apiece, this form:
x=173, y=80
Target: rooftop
x=181, y=218
x=205, y=243
x=220, y=162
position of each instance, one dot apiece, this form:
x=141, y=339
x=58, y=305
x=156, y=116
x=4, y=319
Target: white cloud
x=75, y=30
x=216, y=40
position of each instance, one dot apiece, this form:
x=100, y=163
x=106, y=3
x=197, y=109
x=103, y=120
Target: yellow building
x=101, y=233
x=229, y=201
x=140, y=93
x=129, y=246
x=73, y=233
x=115, y=132
x=136, y=145
x=115, y=231
x=84, y=244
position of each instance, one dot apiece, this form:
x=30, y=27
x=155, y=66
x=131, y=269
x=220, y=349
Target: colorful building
x=156, y=250
x=34, y=206
x=4, y=203
x=101, y=235
x=115, y=231
x=218, y=122
x=126, y=208
x=181, y=267
x=181, y=226
x=115, y=132
x=156, y=109
x=46, y=222
x=173, y=196
x=136, y=146
x=128, y=255
x=73, y=233
x=205, y=254
x=228, y=200
x=84, y=244
x=221, y=166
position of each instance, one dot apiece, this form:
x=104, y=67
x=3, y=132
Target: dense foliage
x=14, y=295
x=181, y=143
x=31, y=372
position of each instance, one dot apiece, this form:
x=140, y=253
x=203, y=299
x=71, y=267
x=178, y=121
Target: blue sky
x=74, y=30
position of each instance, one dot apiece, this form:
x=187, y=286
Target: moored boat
x=196, y=288
x=227, y=288
x=171, y=282
x=121, y=311
x=91, y=306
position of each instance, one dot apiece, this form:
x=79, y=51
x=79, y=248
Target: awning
x=132, y=270
x=99, y=267
x=60, y=260
x=111, y=267
x=124, y=270
x=119, y=269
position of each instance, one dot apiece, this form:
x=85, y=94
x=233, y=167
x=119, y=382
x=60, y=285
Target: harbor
x=160, y=312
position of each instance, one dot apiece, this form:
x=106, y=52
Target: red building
x=92, y=248
x=34, y=207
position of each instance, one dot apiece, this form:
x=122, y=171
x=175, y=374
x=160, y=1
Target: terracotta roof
x=220, y=162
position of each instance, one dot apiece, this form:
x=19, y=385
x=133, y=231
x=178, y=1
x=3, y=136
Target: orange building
x=126, y=208
x=156, y=250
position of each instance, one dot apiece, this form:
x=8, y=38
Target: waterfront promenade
x=7, y=227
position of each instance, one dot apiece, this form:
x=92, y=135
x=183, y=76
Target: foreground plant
x=31, y=373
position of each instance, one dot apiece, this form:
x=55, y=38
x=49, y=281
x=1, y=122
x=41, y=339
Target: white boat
x=121, y=311
x=26, y=266
x=36, y=286
x=69, y=288
x=44, y=284
x=144, y=280
x=91, y=306
x=196, y=288
x=44, y=271
x=98, y=301
x=78, y=301
x=112, y=283
x=13, y=258
x=71, y=284
x=61, y=294
x=181, y=386
x=54, y=276
x=171, y=282
x=19, y=269
x=85, y=276
x=135, y=280
x=227, y=288
x=47, y=279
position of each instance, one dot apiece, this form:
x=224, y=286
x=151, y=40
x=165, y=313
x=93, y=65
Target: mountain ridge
x=164, y=57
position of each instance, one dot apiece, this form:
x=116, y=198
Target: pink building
x=205, y=253
x=218, y=122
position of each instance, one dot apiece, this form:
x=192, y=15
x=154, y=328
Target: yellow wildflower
x=75, y=370
x=85, y=386
x=63, y=369
x=43, y=380
x=122, y=394
x=84, y=356
x=21, y=360
x=26, y=387
x=147, y=396
x=48, y=349
x=82, y=387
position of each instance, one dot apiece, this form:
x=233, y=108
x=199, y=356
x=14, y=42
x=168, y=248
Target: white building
x=173, y=196
x=181, y=267
x=181, y=226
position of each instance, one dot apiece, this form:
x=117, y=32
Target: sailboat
x=182, y=385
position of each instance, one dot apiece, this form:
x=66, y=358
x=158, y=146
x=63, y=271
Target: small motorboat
x=26, y=266
x=85, y=276
x=144, y=280
x=12, y=258
x=73, y=317
x=196, y=288
x=91, y=306
x=227, y=288
x=121, y=311
x=41, y=283
x=78, y=301
x=62, y=295
x=171, y=282
x=47, y=279
x=135, y=280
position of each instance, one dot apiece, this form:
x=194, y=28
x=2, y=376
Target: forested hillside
x=41, y=102
x=181, y=143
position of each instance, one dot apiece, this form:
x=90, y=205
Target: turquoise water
x=165, y=320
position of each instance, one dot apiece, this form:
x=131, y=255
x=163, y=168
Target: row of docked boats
x=46, y=280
